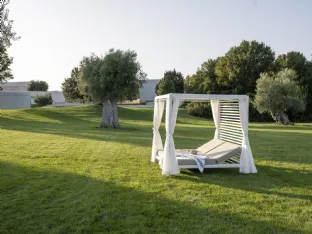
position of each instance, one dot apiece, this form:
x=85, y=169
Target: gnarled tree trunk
x=110, y=114
x=280, y=118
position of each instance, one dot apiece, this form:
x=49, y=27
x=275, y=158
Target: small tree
x=5, y=63
x=172, y=82
x=43, y=100
x=6, y=38
x=38, y=85
x=115, y=77
x=279, y=93
x=70, y=87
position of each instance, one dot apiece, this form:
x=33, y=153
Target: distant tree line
x=280, y=88
x=246, y=69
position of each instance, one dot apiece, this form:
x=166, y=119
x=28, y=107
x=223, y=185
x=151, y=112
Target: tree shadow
x=275, y=127
x=130, y=133
x=139, y=114
x=267, y=181
x=81, y=123
x=48, y=201
x=80, y=115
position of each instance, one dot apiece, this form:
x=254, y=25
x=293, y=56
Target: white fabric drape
x=215, y=107
x=169, y=163
x=247, y=164
x=157, y=142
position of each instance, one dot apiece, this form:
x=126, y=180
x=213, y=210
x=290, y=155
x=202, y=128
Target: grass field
x=61, y=174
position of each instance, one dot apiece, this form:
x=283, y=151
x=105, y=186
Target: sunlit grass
x=61, y=174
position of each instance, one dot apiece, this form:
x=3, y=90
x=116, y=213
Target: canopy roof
x=188, y=96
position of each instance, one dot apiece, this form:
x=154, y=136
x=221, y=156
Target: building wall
x=15, y=86
x=147, y=92
x=57, y=97
x=14, y=100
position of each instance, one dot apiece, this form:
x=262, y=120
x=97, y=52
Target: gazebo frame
x=230, y=114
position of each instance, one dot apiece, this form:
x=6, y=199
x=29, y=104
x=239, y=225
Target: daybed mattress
x=215, y=156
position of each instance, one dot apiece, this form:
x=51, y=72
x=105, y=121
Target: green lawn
x=61, y=174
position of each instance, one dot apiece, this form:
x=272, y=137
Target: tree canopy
x=234, y=73
x=238, y=70
x=115, y=77
x=38, y=85
x=172, y=82
x=204, y=80
x=5, y=63
x=6, y=25
x=279, y=93
x=299, y=63
x=6, y=37
x=292, y=60
x=71, y=89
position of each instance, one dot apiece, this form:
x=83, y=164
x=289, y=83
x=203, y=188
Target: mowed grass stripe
x=61, y=174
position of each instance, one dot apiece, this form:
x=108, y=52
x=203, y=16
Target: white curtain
x=215, y=107
x=157, y=143
x=247, y=164
x=169, y=163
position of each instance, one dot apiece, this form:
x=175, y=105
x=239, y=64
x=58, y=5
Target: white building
x=147, y=92
x=16, y=96
x=15, y=86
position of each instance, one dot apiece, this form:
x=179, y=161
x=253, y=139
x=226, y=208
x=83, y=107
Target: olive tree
x=115, y=77
x=279, y=93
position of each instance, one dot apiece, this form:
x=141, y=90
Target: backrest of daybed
x=230, y=126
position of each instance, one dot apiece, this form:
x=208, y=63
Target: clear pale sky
x=178, y=34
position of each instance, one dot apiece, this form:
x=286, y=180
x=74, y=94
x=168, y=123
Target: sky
x=180, y=34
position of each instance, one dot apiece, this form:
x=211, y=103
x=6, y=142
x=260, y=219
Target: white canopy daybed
x=230, y=115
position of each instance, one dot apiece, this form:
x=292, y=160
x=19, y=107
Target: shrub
x=204, y=110
x=43, y=100
x=199, y=109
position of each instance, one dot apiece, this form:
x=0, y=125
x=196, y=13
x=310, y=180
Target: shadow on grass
x=267, y=181
x=81, y=123
x=60, y=116
x=83, y=114
x=42, y=201
x=72, y=126
x=276, y=127
x=273, y=146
